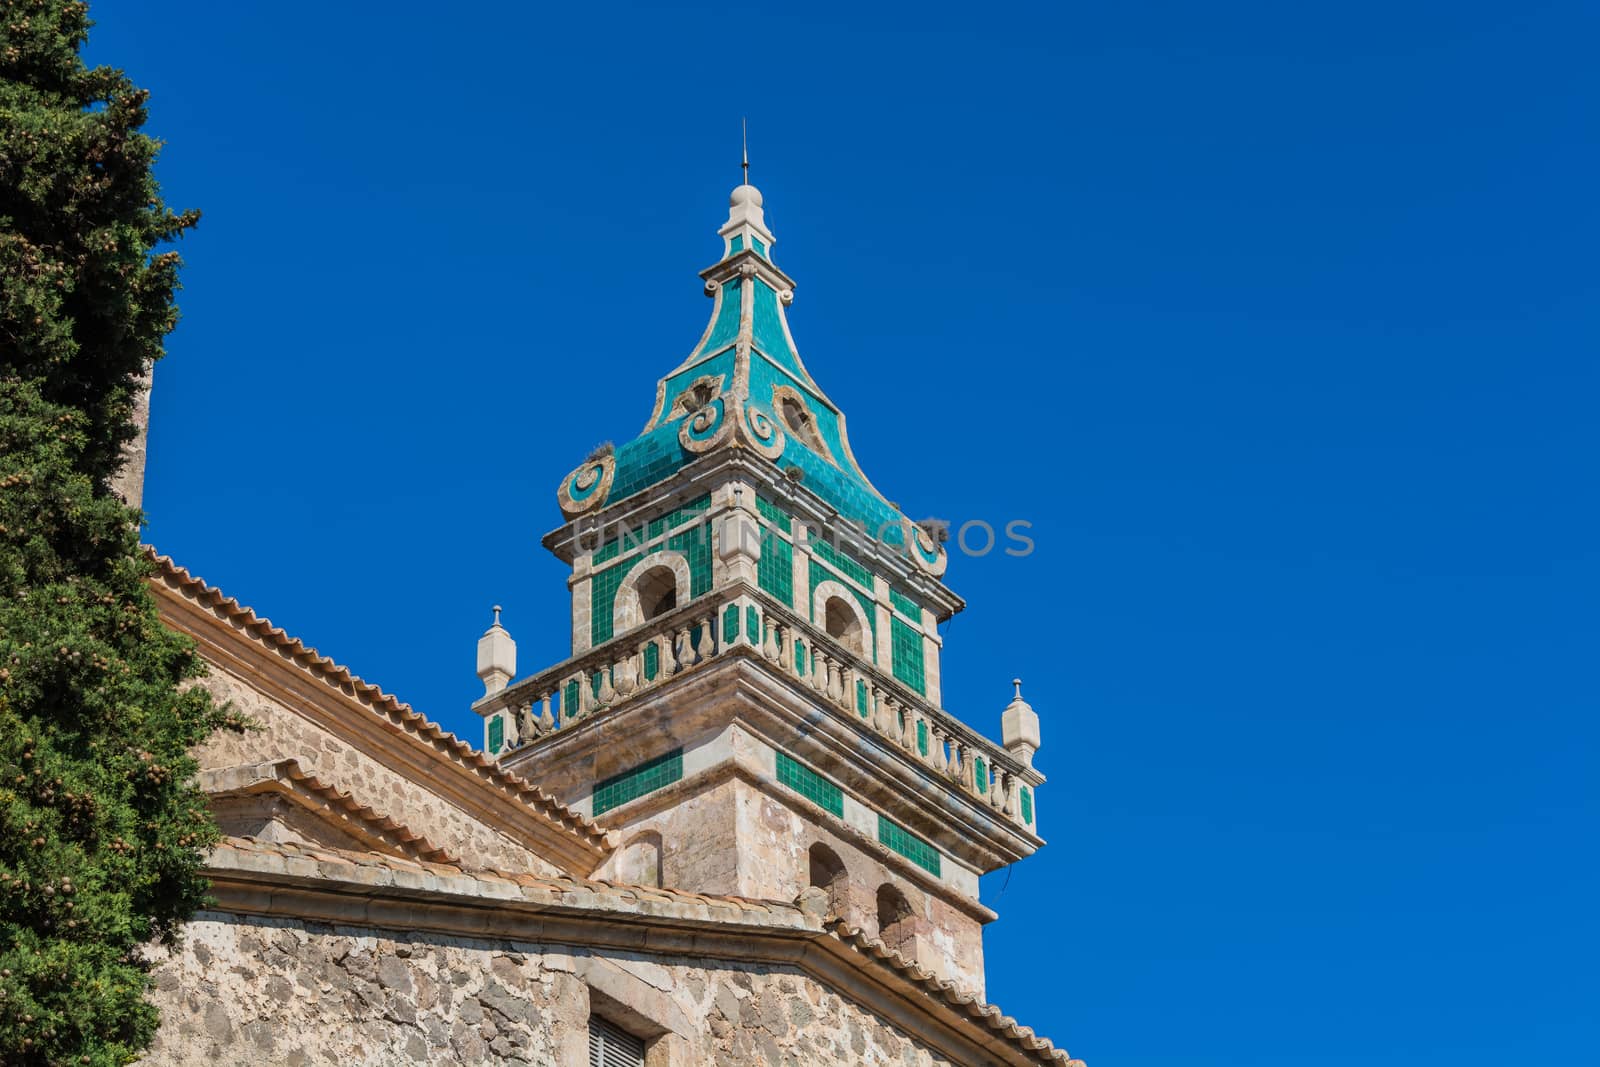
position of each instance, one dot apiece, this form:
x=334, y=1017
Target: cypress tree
x=102, y=831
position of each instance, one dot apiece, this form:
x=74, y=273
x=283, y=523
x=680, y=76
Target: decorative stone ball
x=745, y=194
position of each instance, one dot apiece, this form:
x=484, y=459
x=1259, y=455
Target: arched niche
x=896, y=921
x=840, y=615
x=653, y=586
x=826, y=871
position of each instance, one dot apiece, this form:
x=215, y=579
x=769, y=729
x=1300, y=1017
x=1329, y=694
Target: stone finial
x=497, y=656
x=745, y=216
x=1019, y=727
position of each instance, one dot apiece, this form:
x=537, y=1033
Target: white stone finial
x=497, y=656
x=745, y=217
x=1019, y=727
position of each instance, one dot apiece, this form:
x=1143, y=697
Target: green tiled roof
x=827, y=469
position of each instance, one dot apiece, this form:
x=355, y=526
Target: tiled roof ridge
x=397, y=712
x=952, y=995
x=289, y=768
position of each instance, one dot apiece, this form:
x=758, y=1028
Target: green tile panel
x=908, y=844
x=689, y=512
x=695, y=545
x=1027, y=805
x=775, y=569
x=842, y=562
x=497, y=733
x=906, y=606
x=645, y=778
x=774, y=514
x=906, y=660
x=811, y=785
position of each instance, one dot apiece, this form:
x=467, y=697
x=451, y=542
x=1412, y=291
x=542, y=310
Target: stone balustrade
x=644, y=658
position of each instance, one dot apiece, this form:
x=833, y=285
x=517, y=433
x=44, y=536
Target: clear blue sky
x=1278, y=322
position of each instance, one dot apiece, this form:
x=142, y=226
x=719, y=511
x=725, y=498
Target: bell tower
x=752, y=700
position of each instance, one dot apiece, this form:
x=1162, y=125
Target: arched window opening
x=894, y=919
x=658, y=592
x=792, y=409
x=828, y=874
x=843, y=625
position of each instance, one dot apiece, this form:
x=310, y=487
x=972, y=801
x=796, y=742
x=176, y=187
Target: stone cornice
x=328, y=886
x=708, y=472
x=748, y=262
x=233, y=638
x=780, y=709
x=287, y=779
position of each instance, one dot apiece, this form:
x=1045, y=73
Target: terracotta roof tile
x=956, y=996
x=287, y=776
x=390, y=709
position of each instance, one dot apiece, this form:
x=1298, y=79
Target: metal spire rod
x=744, y=138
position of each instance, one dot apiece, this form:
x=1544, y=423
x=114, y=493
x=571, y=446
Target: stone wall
x=736, y=838
x=248, y=990
x=777, y=835
x=283, y=732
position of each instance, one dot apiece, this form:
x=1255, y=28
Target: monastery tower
x=753, y=698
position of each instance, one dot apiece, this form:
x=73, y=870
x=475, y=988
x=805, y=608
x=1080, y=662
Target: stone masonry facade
x=249, y=990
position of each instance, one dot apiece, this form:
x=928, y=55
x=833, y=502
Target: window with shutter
x=612, y=1046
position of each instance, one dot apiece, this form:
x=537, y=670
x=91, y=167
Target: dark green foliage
x=101, y=830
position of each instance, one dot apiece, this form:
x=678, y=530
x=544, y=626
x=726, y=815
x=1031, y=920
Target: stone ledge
x=275, y=879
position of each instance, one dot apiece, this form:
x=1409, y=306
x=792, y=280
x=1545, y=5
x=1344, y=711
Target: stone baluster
x=640, y=657
x=707, y=646
x=846, y=695
x=879, y=706
x=935, y=747
x=527, y=727
x=997, y=789
x=1013, y=804
x=585, y=696
x=682, y=650
x=785, y=639
x=626, y=676
x=969, y=769
x=547, y=721
x=771, y=646
x=608, y=691
x=819, y=669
